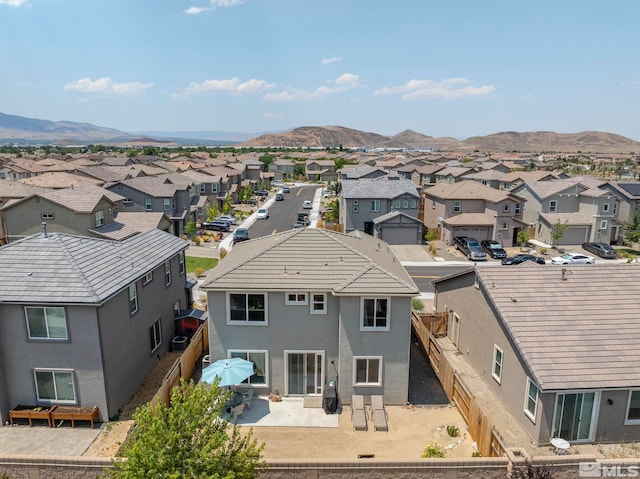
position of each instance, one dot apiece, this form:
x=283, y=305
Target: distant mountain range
x=20, y=130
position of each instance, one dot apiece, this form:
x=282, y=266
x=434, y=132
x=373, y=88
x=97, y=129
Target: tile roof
x=81, y=200
x=378, y=188
x=67, y=269
x=17, y=189
x=580, y=332
x=470, y=219
x=312, y=259
x=60, y=179
x=469, y=190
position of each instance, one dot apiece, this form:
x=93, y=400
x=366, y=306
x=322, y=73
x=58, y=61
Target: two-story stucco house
x=83, y=321
x=308, y=306
x=552, y=345
x=469, y=208
x=589, y=211
x=366, y=205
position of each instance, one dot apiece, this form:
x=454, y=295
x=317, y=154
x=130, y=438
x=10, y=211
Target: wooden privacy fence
x=428, y=328
x=184, y=365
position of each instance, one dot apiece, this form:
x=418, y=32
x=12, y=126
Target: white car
x=229, y=218
x=262, y=214
x=573, y=258
x=307, y=205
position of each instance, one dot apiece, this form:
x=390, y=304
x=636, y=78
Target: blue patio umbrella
x=230, y=371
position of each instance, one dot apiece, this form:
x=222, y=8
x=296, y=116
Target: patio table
x=234, y=400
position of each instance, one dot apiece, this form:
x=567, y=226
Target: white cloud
x=13, y=3
x=107, y=86
x=232, y=85
x=450, y=88
x=213, y=4
x=272, y=116
x=326, y=61
x=344, y=82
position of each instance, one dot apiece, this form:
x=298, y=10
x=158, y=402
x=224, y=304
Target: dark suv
x=495, y=249
x=240, y=234
x=217, y=225
x=303, y=217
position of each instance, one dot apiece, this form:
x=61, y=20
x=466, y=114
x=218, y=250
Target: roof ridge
x=71, y=258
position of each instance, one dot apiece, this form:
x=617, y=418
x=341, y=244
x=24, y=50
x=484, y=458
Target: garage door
x=481, y=233
x=401, y=235
x=575, y=235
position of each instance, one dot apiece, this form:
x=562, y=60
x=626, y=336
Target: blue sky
x=442, y=68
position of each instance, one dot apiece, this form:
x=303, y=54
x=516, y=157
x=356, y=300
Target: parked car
x=228, y=218
x=573, y=258
x=521, y=258
x=470, y=247
x=240, y=234
x=303, y=217
x=307, y=205
x=262, y=193
x=262, y=214
x=297, y=224
x=279, y=197
x=216, y=225
x=601, y=249
x=285, y=189
x=494, y=249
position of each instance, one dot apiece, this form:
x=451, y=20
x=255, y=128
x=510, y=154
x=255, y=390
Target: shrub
x=453, y=431
x=433, y=449
x=206, y=238
x=543, y=250
x=199, y=272
x=433, y=248
x=197, y=240
x=416, y=303
x=476, y=454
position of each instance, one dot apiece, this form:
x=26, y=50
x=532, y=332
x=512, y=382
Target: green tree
x=523, y=237
x=244, y=195
x=188, y=439
x=212, y=212
x=190, y=228
x=267, y=160
x=557, y=231
x=632, y=229
x=226, y=207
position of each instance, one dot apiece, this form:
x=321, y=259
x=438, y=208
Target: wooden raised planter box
x=31, y=412
x=75, y=413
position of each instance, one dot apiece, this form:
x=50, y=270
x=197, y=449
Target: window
x=405, y=204
x=367, y=371
x=127, y=201
x=615, y=208
x=355, y=202
x=133, y=298
x=55, y=386
x=147, y=204
x=497, y=364
x=355, y=209
x=203, y=188
x=259, y=360
x=99, y=218
x=47, y=216
x=181, y=260
x=166, y=204
x=517, y=208
x=505, y=226
x=414, y=204
x=397, y=204
x=46, y=323
x=633, y=408
x=147, y=278
x=318, y=303
x=167, y=273
x=155, y=335
x=531, y=400
x=603, y=224
x=553, y=206
x=375, y=314
x=176, y=308
x=506, y=207
x=457, y=206
x=605, y=208
x=247, y=307
x=375, y=205
x=295, y=299
x=214, y=188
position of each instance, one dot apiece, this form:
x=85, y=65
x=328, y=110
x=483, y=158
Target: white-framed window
x=414, y=204
x=605, y=208
x=457, y=206
x=318, y=303
x=374, y=314
x=46, y=323
x=181, y=260
x=517, y=208
x=147, y=278
x=55, y=385
x=633, y=408
x=127, y=202
x=505, y=226
x=531, y=400
x=176, y=308
x=133, y=298
x=214, y=187
x=248, y=308
x=47, y=216
x=496, y=371
x=148, y=204
x=166, y=204
x=203, y=188
x=295, y=299
x=367, y=370
x=405, y=204
x=375, y=205
x=167, y=273
x=603, y=224
x=397, y=204
x=553, y=206
x=155, y=335
x=260, y=360
x=506, y=207
x=99, y=218
x=615, y=208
